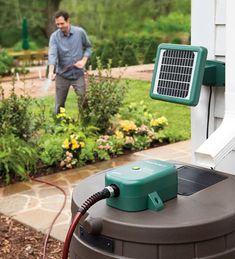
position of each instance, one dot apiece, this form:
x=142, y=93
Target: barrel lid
x=203, y=215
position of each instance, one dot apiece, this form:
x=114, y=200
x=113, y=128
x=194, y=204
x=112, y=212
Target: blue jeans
x=62, y=89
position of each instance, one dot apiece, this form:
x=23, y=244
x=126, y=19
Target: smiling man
x=69, y=50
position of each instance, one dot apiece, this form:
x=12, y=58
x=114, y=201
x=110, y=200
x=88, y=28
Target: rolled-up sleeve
x=52, y=52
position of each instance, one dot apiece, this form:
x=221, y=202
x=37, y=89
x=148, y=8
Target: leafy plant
x=72, y=147
x=174, y=22
x=150, y=53
x=6, y=63
x=32, y=46
x=137, y=112
x=129, y=56
x=112, y=144
x=51, y=151
x=109, y=52
x=17, y=158
x=15, y=116
x=141, y=142
x=104, y=98
x=139, y=128
x=88, y=152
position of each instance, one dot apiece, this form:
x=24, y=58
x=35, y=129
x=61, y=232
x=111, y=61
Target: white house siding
x=208, y=25
x=220, y=42
x=202, y=34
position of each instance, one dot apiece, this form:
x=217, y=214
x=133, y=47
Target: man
x=69, y=50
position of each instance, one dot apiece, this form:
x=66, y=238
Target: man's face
x=62, y=24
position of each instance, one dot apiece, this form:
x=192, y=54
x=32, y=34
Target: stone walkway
x=33, y=83
x=36, y=204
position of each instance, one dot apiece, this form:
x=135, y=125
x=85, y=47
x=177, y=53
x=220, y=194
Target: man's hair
x=63, y=14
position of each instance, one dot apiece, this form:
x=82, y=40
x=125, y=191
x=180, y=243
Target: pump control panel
x=143, y=185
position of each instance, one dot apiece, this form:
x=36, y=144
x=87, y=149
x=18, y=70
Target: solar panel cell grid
x=175, y=73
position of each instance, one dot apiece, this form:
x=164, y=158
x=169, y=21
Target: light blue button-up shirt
x=65, y=51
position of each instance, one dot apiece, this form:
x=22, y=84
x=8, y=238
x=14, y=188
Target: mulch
x=18, y=241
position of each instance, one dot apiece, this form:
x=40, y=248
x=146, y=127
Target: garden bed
x=19, y=241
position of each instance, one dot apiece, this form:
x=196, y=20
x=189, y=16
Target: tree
x=39, y=16
x=105, y=19
x=109, y=19
x=25, y=34
x=51, y=8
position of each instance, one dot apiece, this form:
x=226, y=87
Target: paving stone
x=12, y=204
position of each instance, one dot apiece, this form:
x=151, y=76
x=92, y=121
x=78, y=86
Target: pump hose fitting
x=109, y=191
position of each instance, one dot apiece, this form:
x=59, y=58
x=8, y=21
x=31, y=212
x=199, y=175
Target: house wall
x=208, y=25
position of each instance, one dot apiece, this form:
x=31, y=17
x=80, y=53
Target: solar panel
x=178, y=73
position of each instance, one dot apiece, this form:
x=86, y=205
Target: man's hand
x=51, y=74
x=81, y=63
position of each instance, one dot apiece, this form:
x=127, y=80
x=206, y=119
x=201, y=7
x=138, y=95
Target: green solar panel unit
x=178, y=73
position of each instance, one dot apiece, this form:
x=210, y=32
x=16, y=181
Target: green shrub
x=139, y=43
x=15, y=116
x=88, y=153
x=32, y=46
x=6, y=63
x=9, y=36
x=133, y=129
x=109, y=52
x=174, y=22
x=150, y=54
x=104, y=98
x=95, y=54
x=17, y=158
x=129, y=56
x=51, y=151
x=177, y=40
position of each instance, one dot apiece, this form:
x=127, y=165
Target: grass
x=178, y=115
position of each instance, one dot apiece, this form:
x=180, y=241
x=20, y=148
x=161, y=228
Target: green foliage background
x=103, y=19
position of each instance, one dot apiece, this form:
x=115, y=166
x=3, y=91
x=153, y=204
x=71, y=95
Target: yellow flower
x=160, y=121
x=119, y=134
x=74, y=143
x=66, y=144
x=62, y=110
x=128, y=125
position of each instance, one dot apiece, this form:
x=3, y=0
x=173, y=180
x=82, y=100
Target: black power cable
x=208, y=113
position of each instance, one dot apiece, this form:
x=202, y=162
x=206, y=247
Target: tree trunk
x=52, y=7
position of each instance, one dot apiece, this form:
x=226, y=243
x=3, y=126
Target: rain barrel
x=200, y=224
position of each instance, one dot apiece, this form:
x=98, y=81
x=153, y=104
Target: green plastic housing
x=192, y=98
x=214, y=74
x=143, y=185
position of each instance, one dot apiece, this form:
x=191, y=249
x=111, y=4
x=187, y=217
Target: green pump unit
x=143, y=185
x=178, y=73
